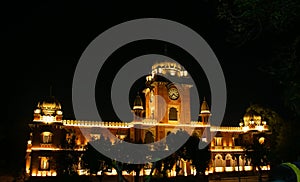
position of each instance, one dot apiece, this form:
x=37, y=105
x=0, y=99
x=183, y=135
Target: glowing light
x=228, y=169
x=238, y=168
x=261, y=140
x=206, y=172
x=147, y=171
x=248, y=168
x=81, y=172
x=149, y=78
x=219, y=169
x=229, y=150
x=113, y=172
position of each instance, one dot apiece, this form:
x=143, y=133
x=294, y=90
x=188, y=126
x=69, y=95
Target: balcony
x=226, y=149
x=46, y=145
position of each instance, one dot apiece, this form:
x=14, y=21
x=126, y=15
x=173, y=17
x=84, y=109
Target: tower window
x=46, y=137
x=218, y=141
x=173, y=114
x=44, y=163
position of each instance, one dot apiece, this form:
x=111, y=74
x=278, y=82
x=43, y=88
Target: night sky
x=42, y=43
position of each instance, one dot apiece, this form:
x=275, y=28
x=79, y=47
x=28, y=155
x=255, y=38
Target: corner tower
x=138, y=108
x=204, y=114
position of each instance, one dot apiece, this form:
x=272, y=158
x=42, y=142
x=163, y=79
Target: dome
x=138, y=103
x=204, y=107
x=169, y=68
x=252, y=117
x=49, y=105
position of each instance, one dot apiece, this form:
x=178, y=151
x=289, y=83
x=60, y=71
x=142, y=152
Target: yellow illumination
x=147, y=171
x=248, y=168
x=219, y=169
x=228, y=169
x=261, y=140
x=206, y=172
x=227, y=150
x=113, y=172
x=240, y=168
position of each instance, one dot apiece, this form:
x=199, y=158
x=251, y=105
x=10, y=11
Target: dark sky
x=42, y=43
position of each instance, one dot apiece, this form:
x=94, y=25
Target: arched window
x=173, y=114
x=46, y=137
x=218, y=161
x=228, y=162
x=44, y=163
x=149, y=138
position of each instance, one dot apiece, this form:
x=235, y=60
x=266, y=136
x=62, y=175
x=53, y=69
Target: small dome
x=138, y=103
x=49, y=105
x=252, y=117
x=204, y=107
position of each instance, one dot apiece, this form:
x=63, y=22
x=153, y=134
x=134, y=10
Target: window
x=149, y=138
x=44, y=163
x=228, y=163
x=173, y=114
x=152, y=113
x=46, y=137
x=218, y=141
x=95, y=137
x=218, y=161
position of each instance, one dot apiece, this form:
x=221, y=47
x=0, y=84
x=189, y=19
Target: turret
x=138, y=108
x=204, y=112
x=48, y=111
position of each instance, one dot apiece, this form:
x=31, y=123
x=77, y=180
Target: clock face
x=173, y=93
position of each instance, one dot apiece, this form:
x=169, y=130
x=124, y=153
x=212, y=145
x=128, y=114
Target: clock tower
x=168, y=100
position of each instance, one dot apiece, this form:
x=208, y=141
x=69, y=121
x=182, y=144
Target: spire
x=138, y=103
x=204, y=112
x=204, y=107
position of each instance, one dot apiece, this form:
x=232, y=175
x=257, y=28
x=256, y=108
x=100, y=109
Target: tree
x=277, y=23
x=67, y=163
x=249, y=20
x=95, y=160
x=199, y=157
x=275, y=123
x=258, y=152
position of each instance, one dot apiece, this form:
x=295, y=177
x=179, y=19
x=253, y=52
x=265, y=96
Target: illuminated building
x=166, y=105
